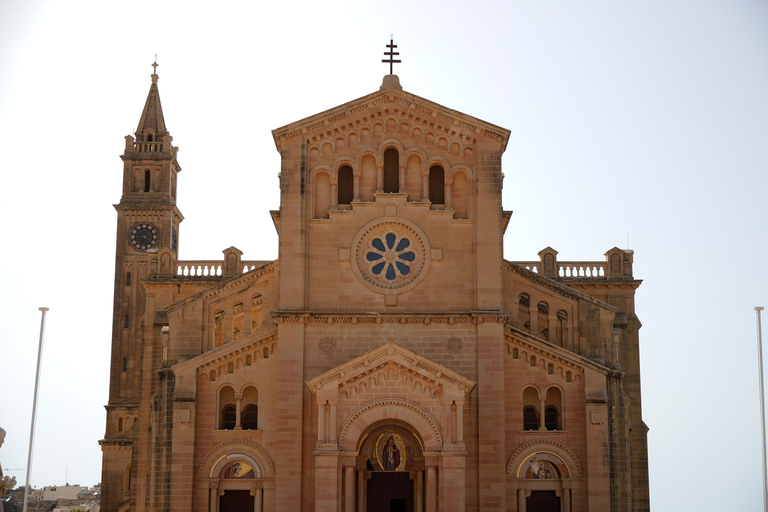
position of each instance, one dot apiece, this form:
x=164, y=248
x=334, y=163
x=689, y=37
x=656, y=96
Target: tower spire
x=152, y=122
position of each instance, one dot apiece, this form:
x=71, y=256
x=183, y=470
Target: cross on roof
x=154, y=65
x=391, y=54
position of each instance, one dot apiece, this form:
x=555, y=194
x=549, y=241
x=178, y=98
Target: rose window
x=390, y=257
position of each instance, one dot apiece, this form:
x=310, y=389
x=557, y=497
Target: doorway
x=390, y=492
x=236, y=501
x=542, y=501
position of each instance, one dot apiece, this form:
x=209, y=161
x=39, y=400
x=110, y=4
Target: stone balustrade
x=210, y=268
x=617, y=265
x=574, y=269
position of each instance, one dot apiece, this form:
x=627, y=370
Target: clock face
x=143, y=236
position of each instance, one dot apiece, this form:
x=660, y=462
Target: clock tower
x=147, y=239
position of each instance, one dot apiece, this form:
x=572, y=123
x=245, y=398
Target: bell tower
x=147, y=225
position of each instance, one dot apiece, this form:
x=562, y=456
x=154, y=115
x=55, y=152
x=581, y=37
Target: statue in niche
x=6, y=482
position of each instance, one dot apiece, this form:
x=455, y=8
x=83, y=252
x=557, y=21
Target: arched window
x=128, y=279
x=228, y=414
x=147, y=181
x=554, y=404
x=228, y=417
x=345, y=181
x=127, y=322
x=391, y=170
x=530, y=418
x=436, y=185
x=250, y=417
x=127, y=478
x=249, y=403
x=120, y=424
x=125, y=364
x=551, y=418
x=530, y=408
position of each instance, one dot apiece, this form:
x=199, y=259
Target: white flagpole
x=34, y=407
x=758, y=309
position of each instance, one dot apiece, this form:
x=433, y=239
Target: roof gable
x=387, y=102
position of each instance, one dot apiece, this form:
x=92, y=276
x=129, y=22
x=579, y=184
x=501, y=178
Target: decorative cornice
x=391, y=103
x=141, y=209
x=410, y=317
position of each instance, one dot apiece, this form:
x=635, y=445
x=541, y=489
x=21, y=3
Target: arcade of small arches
x=390, y=170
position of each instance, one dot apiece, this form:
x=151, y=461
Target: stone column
x=542, y=405
x=238, y=399
x=431, y=463
x=401, y=180
x=334, y=195
x=214, y=485
x=448, y=421
x=459, y=421
x=256, y=492
x=521, y=500
x=356, y=186
x=552, y=320
x=321, y=422
x=267, y=497
x=448, y=200
x=228, y=326
x=425, y=187
x=349, y=483
x=379, y=179
x=418, y=492
x=361, y=504
x=566, y=503
x=332, y=426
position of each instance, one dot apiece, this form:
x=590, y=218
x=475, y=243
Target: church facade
x=389, y=359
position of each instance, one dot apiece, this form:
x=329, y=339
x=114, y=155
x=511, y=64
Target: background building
x=390, y=359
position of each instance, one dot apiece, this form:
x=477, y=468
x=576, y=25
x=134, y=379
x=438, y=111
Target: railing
x=571, y=269
x=148, y=147
x=199, y=268
x=211, y=268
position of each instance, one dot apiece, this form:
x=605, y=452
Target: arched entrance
x=240, y=477
x=393, y=456
x=544, y=476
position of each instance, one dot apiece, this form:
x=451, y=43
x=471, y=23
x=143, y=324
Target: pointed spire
x=152, y=121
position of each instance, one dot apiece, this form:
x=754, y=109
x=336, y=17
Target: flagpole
x=758, y=309
x=34, y=407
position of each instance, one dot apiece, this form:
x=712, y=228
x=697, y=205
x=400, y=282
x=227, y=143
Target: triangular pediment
x=387, y=103
x=411, y=367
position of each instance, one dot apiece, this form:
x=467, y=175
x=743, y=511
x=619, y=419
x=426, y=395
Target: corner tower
x=147, y=240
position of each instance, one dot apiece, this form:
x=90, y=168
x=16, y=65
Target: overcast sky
x=640, y=124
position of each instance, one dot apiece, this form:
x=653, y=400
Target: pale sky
x=635, y=122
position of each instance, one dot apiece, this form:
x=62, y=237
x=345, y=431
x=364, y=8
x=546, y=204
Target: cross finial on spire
x=391, y=53
x=154, y=66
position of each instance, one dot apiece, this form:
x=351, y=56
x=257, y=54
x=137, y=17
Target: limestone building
x=389, y=359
